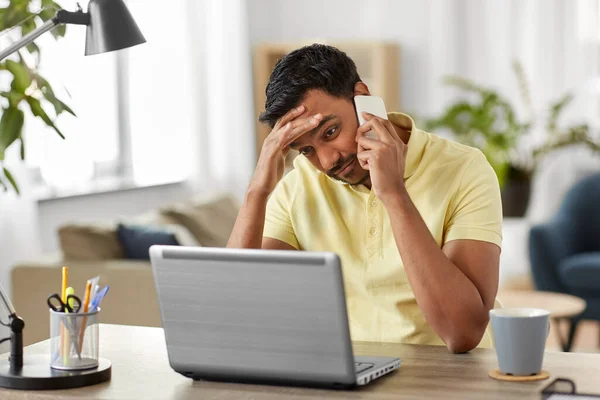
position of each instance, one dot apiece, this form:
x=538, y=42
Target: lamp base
x=36, y=374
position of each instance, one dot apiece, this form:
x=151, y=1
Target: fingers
x=290, y=115
x=300, y=126
x=368, y=143
x=363, y=158
x=384, y=130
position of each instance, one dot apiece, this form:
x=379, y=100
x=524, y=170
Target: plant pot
x=516, y=193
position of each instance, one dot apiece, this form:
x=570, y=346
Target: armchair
x=565, y=251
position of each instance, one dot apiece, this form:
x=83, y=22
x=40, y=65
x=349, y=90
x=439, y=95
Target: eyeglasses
x=563, y=388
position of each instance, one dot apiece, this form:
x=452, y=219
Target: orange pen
x=86, y=303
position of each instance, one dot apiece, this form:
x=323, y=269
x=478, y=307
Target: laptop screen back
x=254, y=314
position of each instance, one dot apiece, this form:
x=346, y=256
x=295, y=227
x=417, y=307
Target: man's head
x=324, y=80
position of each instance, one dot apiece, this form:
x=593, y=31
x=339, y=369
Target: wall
x=417, y=25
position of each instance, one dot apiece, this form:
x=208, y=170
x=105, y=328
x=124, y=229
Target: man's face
x=332, y=147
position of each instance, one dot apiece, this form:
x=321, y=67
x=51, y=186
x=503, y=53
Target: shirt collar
x=416, y=142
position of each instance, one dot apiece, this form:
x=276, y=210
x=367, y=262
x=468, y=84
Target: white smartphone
x=370, y=104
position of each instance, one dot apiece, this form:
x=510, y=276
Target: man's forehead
x=324, y=120
x=318, y=101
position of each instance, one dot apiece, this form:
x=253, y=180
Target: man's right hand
x=271, y=162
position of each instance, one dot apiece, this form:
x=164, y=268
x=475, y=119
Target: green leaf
x=3, y=185
x=50, y=3
x=47, y=13
x=555, y=111
x=38, y=111
x=11, y=125
x=22, y=147
x=22, y=77
x=33, y=48
x=27, y=26
x=59, y=31
x=49, y=95
x=13, y=16
x=2, y=14
x=11, y=180
x=14, y=98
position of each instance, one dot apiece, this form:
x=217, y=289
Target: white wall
x=415, y=25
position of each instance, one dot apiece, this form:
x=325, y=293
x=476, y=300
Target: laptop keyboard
x=362, y=367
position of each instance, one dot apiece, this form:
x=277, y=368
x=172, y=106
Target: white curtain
x=225, y=111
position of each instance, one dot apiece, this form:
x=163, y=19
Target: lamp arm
x=16, y=326
x=61, y=17
x=30, y=37
x=6, y=301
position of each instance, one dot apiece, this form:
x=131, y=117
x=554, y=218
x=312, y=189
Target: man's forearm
x=247, y=232
x=450, y=301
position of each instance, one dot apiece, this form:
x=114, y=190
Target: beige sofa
x=94, y=250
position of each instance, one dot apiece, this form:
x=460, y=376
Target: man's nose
x=328, y=159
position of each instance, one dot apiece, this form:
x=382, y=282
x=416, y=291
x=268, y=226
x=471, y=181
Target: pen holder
x=74, y=340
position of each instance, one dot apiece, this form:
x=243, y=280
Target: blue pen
x=96, y=302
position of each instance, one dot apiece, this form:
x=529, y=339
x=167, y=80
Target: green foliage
x=29, y=91
x=483, y=118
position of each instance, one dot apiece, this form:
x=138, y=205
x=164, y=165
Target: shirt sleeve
x=278, y=221
x=476, y=210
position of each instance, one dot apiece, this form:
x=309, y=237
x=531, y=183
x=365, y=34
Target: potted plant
x=483, y=118
x=29, y=93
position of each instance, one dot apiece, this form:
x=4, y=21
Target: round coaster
x=496, y=374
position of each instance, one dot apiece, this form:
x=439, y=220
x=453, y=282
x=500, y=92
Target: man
x=416, y=219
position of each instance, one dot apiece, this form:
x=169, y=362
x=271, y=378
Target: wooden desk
x=141, y=371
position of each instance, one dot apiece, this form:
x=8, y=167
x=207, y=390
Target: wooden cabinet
x=377, y=63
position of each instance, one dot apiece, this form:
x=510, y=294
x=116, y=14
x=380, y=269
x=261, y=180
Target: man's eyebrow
x=312, y=132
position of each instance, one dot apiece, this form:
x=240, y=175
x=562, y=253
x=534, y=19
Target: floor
x=587, y=338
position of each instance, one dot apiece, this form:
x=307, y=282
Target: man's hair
x=311, y=67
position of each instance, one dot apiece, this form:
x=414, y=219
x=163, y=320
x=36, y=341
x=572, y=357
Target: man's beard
x=342, y=164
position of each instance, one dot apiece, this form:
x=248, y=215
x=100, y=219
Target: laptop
x=259, y=316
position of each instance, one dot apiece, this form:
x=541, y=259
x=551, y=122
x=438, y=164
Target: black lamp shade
x=111, y=27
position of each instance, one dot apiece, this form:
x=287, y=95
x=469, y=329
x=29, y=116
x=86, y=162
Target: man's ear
x=361, y=89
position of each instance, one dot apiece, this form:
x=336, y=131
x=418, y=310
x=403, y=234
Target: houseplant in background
x=485, y=119
x=29, y=94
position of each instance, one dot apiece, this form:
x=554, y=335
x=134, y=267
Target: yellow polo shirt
x=457, y=194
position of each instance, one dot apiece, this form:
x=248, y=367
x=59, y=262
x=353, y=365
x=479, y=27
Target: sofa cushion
x=159, y=221
x=90, y=242
x=137, y=239
x=209, y=219
x=581, y=271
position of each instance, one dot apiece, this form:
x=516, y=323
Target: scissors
x=72, y=305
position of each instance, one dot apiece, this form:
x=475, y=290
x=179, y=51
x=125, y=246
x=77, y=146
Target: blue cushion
x=137, y=239
x=581, y=271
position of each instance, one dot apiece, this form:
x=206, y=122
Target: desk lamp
x=110, y=27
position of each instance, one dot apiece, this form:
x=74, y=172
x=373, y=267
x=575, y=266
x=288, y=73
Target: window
x=134, y=107
x=88, y=86
x=160, y=95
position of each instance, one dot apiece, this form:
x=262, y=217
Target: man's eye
x=331, y=132
x=306, y=150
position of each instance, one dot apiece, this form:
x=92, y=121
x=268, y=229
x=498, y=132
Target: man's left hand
x=384, y=157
